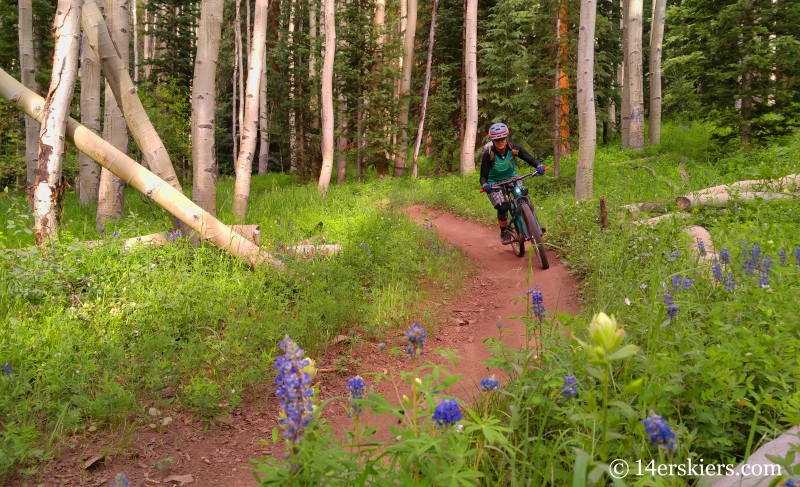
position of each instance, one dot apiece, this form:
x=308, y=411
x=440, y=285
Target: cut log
x=250, y=232
x=140, y=178
x=651, y=222
x=634, y=209
x=722, y=197
x=699, y=233
x=310, y=251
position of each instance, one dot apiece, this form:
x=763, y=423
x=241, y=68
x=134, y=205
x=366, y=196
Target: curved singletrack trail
x=220, y=456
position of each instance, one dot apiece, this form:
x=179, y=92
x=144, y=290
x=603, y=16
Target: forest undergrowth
x=710, y=351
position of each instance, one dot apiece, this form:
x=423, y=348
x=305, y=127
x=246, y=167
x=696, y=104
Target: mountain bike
x=522, y=223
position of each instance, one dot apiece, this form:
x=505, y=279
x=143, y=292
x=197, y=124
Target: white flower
x=643, y=286
x=152, y=265
x=627, y=301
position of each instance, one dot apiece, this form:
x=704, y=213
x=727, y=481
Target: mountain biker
x=498, y=163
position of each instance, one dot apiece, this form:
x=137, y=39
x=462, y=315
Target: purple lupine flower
x=120, y=480
x=356, y=386
x=686, y=284
x=763, y=280
x=447, y=412
x=363, y=246
x=766, y=264
x=489, y=384
x=797, y=256
x=7, y=369
x=537, y=302
x=676, y=283
x=790, y=482
x=568, y=388
x=661, y=435
x=745, y=249
x=783, y=257
x=716, y=270
x=701, y=246
x=749, y=267
x=725, y=256
x=730, y=284
x=672, y=308
x=755, y=254
x=295, y=395
x=416, y=337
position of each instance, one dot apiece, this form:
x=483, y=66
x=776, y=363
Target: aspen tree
x=401, y=156
x=634, y=75
x=327, y=96
x=470, y=61
x=89, y=172
x=656, y=42
x=587, y=119
x=27, y=65
x=426, y=89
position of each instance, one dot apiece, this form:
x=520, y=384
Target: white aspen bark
x=587, y=119
x=557, y=103
x=234, y=110
x=240, y=65
x=292, y=114
x=341, y=141
x=427, y=87
x=312, y=61
x=400, y=159
x=470, y=61
x=126, y=95
x=624, y=75
x=208, y=227
x=656, y=42
x=135, y=30
x=27, y=64
x=89, y=172
x=249, y=130
x=263, y=122
x=147, y=42
x=327, y=96
x=204, y=96
x=248, y=27
x=48, y=188
x=636, y=86
x=111, y=193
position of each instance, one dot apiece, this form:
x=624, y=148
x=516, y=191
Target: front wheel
x=517, y=240
x=536, y=234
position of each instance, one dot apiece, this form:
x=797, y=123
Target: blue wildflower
x=499, y=323
x=172, y=236
x=797, y=255
x=749, y=267
x=416, y=337
x=701, y=246
x=7, y=369
x=660, y=433
x=537, y=302
x=278, y=222
x=763, y=280
x=790, y=482
x=294, y=393
x=672, y=308
x=755, y=253
x=363, y=246
x=745, y=249
x=766, y=264
x=356, y=386
x=686, y=284
x=716, y=270
x=121, y=480
x=489, y=384
x=447, y=412
x=569, y=389
x=676, y=283
x=730, y=284
x=725, y=256
x=783, y=257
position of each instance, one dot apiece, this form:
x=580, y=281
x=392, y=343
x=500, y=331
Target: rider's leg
x=502, y=220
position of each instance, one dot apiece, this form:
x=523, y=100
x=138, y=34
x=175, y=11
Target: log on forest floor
x=250, y=232
x=309, y=251
x=700, y=234
x=651, y=222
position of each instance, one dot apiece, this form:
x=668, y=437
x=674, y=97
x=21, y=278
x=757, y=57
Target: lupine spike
x=356, y=386
x=672, y=308
x=489, y=383
x=701, y=246
x=416, y=337
x=295, y=395
x=661, y=435
x=447, y=413
x=569, y=388
x=725, y=256
x=716, y=271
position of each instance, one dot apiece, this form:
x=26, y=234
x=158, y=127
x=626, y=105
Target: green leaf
x=624, y=352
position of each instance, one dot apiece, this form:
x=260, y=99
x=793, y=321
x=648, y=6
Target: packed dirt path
x=219, y=455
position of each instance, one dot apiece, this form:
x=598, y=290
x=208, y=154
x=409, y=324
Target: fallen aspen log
x=634, y=209
x=651, y=222
x=309, y=251
x=700, y=234
x=723, y=196
x=250, y=232
x=140, y=178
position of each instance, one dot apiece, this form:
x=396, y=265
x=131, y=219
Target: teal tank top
x=503, y=168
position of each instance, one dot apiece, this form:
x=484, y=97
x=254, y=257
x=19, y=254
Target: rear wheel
x=536, y=234
x=517, y=242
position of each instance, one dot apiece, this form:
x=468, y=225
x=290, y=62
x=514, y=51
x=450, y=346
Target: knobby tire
x=536, y=234
x=518, y=242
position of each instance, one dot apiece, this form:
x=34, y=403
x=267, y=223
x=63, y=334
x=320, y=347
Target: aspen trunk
x=341, y=140
x=292, y=114
x=635, y=79
x=48, y=188
x=111, y=193
x=27, y=65
x=135, y=29
x=470, y=61
x=587, y=119
x=656, y=41
x=204, y=95
x=624, y=75
x=327, y=97
x=240, y=68
x=125, y=94
x=426, y=89
x=249, y=130
x=139, y=178
x=263, y=122
x=89, y=174
x=400, y=160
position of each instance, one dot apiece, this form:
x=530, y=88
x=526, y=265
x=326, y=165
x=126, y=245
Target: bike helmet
x=498, y=131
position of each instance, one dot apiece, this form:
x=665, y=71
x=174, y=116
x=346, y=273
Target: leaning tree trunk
x=27, y=65
x=587, y=119
x=89, y=172
x=48, y=187
x=208, y=227
x=427, y=88
x=656, y=41
x=470, y=60
x=249, y=129
x=635, y=76
x=327, y=96
x=111, y=194
x=124, y=92
x=204, y=95
x=263, y=122
x=400, y=159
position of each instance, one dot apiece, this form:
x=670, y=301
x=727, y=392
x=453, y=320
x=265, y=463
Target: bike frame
x=515, y=193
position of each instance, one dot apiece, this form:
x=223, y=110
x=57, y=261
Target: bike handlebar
x=514, y=179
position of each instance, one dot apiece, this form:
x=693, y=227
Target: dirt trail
x=220, y=456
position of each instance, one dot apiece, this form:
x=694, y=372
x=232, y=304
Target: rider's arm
x=525, y=156
x=486, y=166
